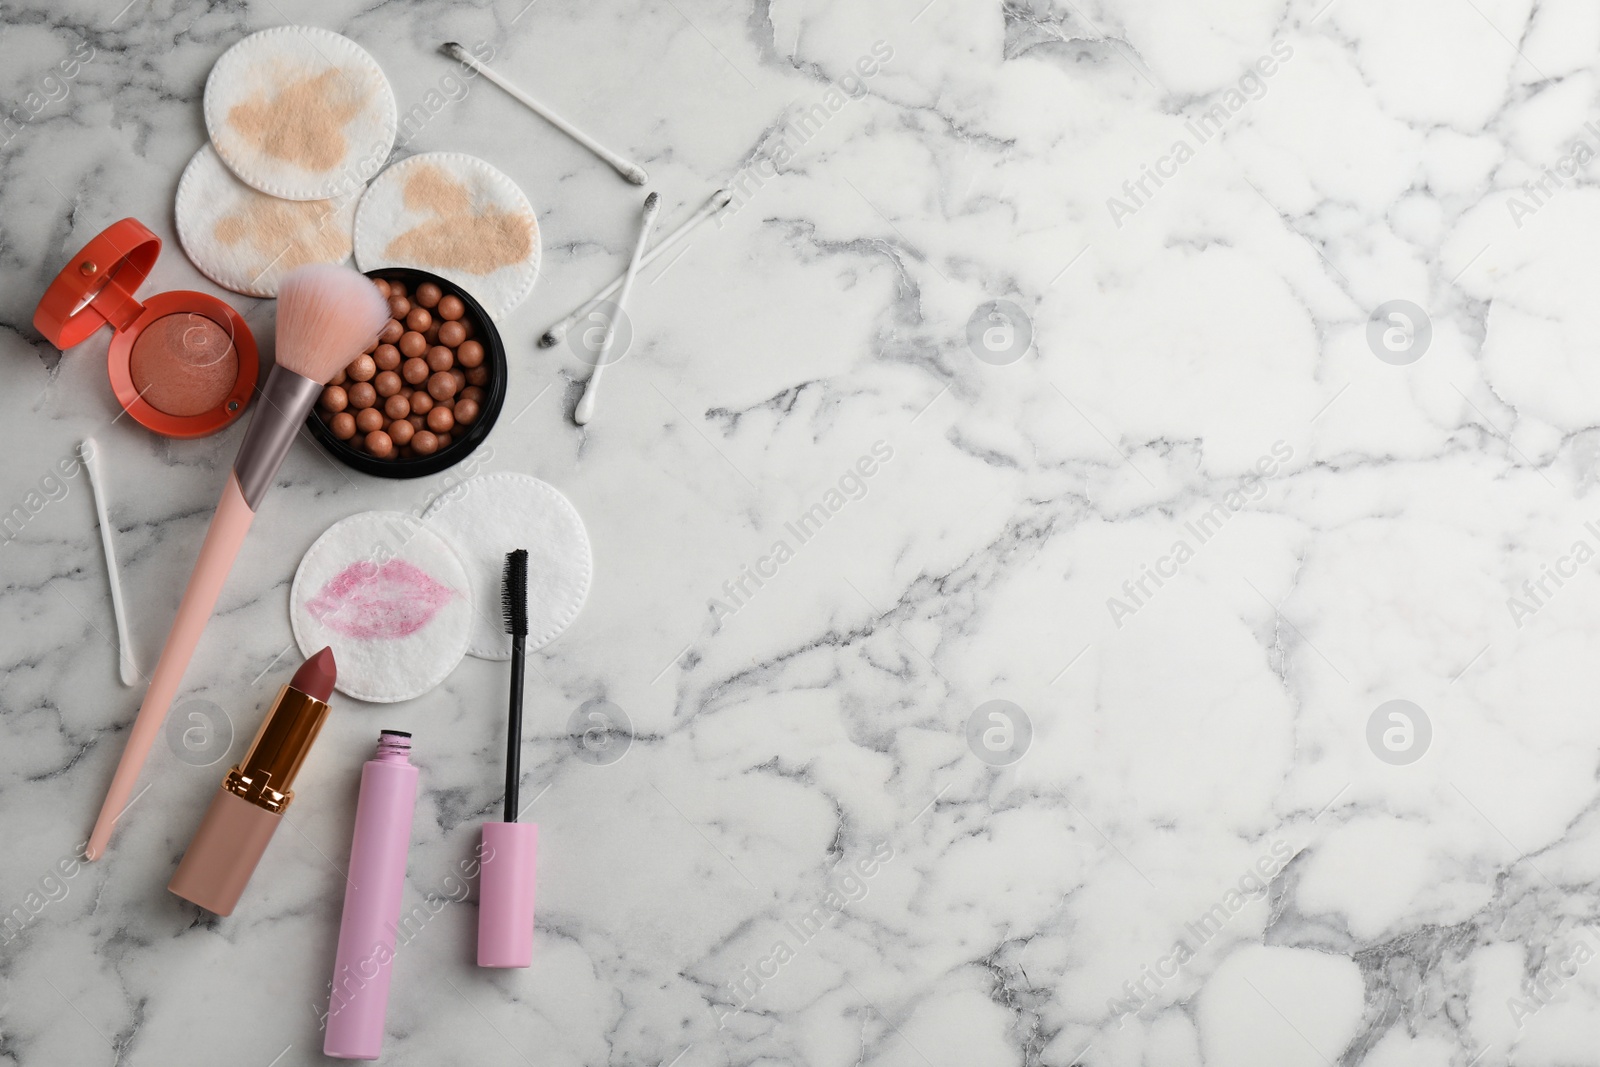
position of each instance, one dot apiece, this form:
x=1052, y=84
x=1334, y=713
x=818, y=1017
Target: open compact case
x=182, y=364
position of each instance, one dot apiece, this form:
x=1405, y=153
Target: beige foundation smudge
x=459, y=237
x=288, y=233
x=304, y=122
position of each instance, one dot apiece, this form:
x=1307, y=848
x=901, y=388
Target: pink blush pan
x=184, y=364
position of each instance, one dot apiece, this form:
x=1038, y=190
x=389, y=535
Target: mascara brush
x=514, y=606
x=510, y=848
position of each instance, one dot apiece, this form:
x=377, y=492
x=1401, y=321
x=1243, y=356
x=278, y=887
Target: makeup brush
x=514, y=606
x=510, y=848
x=585, y=409
x=719, y=200
x=326, y=316
x=629, y=170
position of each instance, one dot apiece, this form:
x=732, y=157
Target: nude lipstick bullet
x=246, y=810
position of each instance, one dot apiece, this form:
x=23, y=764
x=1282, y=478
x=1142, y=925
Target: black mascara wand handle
x=514, y=729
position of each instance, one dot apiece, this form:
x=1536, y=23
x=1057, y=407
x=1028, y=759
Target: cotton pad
x=391, y=598
x=458, y=217
x=247, y=241
x=486, y=517
x=300, y=113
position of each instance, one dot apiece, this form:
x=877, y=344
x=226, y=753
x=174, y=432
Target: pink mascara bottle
x=372, y=899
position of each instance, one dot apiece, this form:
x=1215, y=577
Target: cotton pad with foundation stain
x=245, y=240
x=391, y=599
x=486, y=517
x=300, y=113
x=456, y=216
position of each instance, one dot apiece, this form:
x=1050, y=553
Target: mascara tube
x=372, y=897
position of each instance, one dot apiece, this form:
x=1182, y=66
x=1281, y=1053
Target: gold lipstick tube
x=246, y=809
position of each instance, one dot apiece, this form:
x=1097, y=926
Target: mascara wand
x=510, y=849
x=514, y=606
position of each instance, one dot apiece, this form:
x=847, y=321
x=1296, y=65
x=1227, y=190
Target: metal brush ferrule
x=284, y=400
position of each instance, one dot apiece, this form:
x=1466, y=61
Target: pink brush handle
x=228, y=528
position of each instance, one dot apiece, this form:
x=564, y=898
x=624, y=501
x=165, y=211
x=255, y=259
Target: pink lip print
x=374, y=603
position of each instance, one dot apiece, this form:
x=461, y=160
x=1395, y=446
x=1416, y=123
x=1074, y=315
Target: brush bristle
x=327, y=316
x=514, y=593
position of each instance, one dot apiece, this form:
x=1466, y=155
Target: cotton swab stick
x=90, y=453
x=629, y=170
x=585, y=409
x=719, y=200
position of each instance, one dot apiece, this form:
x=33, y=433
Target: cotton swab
x=719, y=200
x=90, y=453
x=585, y=409
x=629, y=170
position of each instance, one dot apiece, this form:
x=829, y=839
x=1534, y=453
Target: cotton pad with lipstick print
x=392, y=600
x=300, y=112
x=245, y=240
x=455, y=216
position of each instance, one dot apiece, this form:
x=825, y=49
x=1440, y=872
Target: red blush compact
x=182, y=363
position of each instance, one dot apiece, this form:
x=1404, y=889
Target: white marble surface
x=1207, y=735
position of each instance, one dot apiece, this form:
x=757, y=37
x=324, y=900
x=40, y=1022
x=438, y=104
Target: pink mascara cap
x=505, y=894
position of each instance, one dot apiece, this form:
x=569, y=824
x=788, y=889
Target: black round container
x=494, y=398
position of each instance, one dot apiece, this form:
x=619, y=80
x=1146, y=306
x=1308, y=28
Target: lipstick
x=246, y=810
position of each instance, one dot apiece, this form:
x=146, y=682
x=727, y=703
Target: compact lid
x=506, y=880
x=96, y=288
